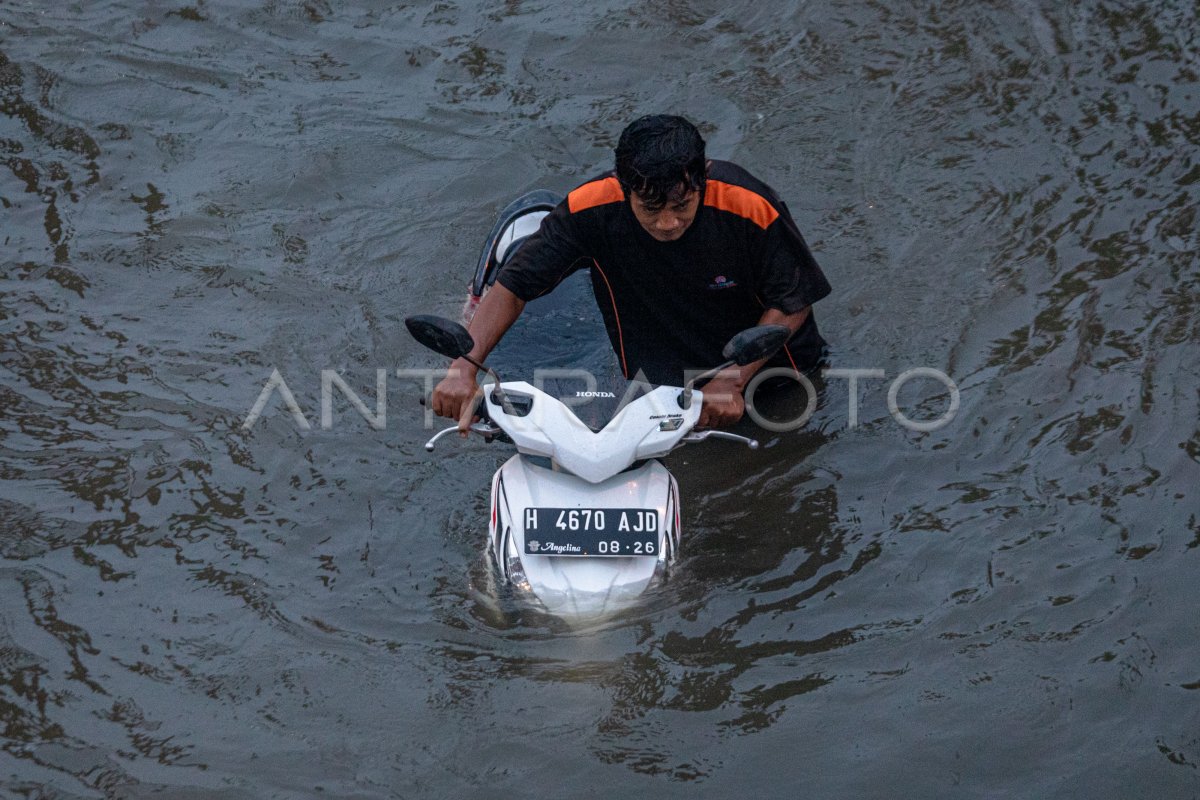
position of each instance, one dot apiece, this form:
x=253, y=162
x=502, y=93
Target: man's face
x=666, y=222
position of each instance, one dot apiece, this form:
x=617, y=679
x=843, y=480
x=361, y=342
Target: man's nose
x=667, y=222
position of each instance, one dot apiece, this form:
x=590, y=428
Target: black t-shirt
x=670, y=307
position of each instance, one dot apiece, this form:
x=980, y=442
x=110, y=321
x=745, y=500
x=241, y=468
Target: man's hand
x=457, y=395
x=723, y=401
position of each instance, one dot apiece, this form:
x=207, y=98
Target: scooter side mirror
x=440, y=335
x=450, y=339
x=745, y=348
x=754, y=343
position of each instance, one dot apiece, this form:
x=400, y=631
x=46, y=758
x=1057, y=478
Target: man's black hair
x=660, y=158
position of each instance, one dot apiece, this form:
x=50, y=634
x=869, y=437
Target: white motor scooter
x=585, y=518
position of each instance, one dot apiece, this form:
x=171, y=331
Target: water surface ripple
x=192, y=196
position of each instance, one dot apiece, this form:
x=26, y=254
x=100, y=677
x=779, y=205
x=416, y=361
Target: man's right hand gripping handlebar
x=458, y=395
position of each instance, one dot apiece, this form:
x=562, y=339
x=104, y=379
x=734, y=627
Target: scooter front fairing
x=582, y=584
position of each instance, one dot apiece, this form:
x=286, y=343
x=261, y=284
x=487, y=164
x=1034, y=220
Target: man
x=684, y=253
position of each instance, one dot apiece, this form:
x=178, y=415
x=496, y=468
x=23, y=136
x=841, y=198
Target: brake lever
x=486, y=431
x=700, y=436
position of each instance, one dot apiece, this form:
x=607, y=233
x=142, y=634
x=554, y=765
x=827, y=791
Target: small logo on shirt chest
x=721, y=282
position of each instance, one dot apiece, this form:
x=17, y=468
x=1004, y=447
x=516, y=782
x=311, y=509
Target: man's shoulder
x=602, y=190
x=734, y=190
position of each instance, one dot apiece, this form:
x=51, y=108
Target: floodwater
x=193, y=196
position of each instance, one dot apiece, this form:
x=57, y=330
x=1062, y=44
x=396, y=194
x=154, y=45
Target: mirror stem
x=498, y=395
x=685, y=397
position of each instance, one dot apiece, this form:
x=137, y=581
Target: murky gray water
x=195, y=195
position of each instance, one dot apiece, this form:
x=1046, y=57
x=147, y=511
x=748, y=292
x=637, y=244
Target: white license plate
x=591, y=531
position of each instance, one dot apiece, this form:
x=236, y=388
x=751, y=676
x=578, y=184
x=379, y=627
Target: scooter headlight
x=513, y=567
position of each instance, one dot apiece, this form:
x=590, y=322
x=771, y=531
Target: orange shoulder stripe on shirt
x=595, y=193
x=741, y=201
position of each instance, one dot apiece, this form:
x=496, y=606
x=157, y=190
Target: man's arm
x=723, y=400
x=455, y=396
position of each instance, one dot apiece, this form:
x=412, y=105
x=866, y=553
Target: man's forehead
x=680, y=194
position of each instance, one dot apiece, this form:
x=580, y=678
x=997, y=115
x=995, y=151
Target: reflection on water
x=193, y=196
